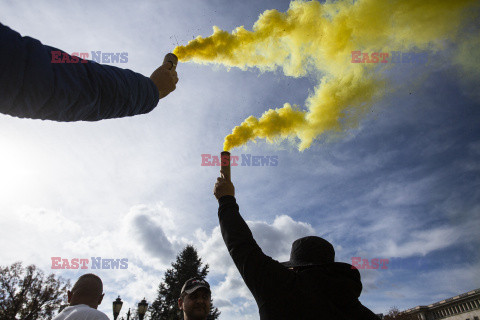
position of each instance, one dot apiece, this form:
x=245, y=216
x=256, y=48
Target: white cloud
x=402, y=192
x=47, y=221
x=232, y=287
x=276, y=239
x=421, y=242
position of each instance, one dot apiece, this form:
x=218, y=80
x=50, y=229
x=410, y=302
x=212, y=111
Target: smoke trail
x=317, y=38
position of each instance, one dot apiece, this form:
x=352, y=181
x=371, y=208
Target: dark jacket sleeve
x=31, y=86
x=262, y=274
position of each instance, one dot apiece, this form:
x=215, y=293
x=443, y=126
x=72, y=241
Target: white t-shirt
x=81, y=312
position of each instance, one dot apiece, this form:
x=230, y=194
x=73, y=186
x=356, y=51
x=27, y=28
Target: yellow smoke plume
x=315, y=38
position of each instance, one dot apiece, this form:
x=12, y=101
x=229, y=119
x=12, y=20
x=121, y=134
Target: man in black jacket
x=309, y=286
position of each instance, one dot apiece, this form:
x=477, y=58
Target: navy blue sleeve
x=31, y=86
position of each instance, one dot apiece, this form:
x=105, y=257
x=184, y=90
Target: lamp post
x=128, y=314
x=117, y=306
x=142, y=308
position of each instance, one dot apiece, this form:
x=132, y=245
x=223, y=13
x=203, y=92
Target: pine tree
x=186, y=266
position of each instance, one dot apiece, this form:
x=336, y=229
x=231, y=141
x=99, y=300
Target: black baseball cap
x=193, y=284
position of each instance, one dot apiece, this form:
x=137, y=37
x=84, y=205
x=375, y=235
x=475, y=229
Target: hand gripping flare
x=173, y=59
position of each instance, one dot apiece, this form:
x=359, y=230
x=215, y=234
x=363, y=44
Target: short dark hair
x=89, y=285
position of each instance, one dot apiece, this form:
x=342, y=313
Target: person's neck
x=76, y=303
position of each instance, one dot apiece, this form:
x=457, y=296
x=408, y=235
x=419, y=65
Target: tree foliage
x=25, y=293
x=395, y=314
x=186, y=266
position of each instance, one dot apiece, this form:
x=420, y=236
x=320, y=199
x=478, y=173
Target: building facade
x=462, y=307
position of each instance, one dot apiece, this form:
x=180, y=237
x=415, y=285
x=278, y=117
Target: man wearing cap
x=195, y=299
x=309, y=286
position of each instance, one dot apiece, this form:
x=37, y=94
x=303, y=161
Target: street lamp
x=142, y=308
x=117, y=306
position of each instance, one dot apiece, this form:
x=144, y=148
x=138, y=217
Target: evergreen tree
x=186, y=266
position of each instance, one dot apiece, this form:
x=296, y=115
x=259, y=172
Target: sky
x=401, y=184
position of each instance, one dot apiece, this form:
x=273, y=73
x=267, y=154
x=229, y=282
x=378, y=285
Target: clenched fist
x=165, y=78
x=223, y=187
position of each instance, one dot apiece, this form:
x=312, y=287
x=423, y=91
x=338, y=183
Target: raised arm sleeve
x=31, y=86
x=261, y=274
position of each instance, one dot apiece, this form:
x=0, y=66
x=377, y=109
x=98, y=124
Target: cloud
x=148, y=226
x=401, y=192
x=222, y=303
x=232, y=287
x=276, y=239
x=47, y=221
x=421, y=242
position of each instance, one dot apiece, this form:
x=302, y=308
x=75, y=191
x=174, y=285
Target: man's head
x=194, y=299
x=87, y=290
x=310, y=251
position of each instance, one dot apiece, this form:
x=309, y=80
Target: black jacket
x=31, y=86
x=327, y=292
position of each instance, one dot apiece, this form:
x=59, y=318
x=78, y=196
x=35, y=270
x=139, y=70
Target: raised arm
x=31, y=86
x=260, y=272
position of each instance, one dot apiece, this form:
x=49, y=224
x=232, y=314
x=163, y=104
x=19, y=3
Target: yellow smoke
x=317, y=38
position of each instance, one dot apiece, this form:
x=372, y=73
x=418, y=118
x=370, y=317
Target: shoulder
x=97, y=315
x=82, y=311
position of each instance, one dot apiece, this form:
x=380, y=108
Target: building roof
x=446, y=301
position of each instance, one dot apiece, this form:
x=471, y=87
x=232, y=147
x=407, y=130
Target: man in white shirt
x=86, y=295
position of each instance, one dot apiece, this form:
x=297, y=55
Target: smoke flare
x=316, y=38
